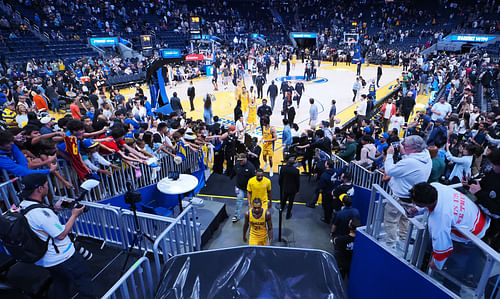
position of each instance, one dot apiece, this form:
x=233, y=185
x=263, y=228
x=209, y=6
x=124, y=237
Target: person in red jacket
x=388, y=110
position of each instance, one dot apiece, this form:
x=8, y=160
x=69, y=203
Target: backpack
x=19, y=239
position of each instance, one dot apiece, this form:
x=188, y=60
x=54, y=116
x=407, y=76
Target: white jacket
x=453, y=209
x=412, y=169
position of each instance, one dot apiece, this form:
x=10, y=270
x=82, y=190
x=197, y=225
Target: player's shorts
x=259, y=242
x=267, y=150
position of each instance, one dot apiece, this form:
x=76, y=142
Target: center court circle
x=301, y=78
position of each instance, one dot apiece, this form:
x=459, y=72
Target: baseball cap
x=31, y=182
x=385, y=135
x=89, y=143
x=45, y=120
x=367, y=129
x=345, y=198
x=241, y=156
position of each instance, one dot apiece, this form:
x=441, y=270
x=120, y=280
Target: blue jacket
x=287, y=135
x=15, y=162
x=325, y=181
x=438, y=135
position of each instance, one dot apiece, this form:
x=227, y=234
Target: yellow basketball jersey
x=258, y=229
x=267, y=134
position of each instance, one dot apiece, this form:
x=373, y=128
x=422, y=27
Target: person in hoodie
x=368, y=150
x=414, y=167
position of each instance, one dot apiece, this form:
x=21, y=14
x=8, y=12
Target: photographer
x=61, y=259
x=414, y=167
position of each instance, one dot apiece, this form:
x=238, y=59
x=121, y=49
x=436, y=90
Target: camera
x=131, y=196
x=397, y=154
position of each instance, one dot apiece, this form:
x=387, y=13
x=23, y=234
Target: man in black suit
x=289, y=181
x=259, y=82
x=191, y=93
x=272, y=92
x=379, y=74
x=299, y=87
x=288, y=67
x=264, y=111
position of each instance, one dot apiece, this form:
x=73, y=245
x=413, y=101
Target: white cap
x=45, y=120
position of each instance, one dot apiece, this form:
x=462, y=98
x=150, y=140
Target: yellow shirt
x=259, y=189
x=258, y=228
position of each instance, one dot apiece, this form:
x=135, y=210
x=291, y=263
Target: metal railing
x=137, y=282
x=182, y=236
x=485, y=259
x=362, y=177
x=152, y=225
x=338, y=162
x=115, y=184
x=490, y=269
x=101, y=222
x=379, y=198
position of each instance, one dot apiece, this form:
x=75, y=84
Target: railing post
x=485, y=275
x=371, y=210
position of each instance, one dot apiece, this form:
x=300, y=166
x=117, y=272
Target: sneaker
x=235, y=219
x=265, y=166
x=271, y=173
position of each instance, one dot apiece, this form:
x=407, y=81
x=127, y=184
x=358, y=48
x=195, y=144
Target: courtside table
x=183, y=185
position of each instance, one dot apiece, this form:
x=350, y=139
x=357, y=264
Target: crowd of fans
x=103, y=129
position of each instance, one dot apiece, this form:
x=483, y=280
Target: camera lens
x=86, y=254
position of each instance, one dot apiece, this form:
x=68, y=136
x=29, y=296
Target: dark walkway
x=303, y=230
x=222, y=185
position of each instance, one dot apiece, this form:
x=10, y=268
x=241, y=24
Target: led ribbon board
x=103, y=41
x=170, y=53
x=470, y=38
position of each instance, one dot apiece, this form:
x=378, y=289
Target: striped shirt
x=9, y=117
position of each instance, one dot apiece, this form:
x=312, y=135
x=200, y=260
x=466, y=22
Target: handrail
x=479, y=243
x=145, y=287
x=192, y=231
x=397, y=205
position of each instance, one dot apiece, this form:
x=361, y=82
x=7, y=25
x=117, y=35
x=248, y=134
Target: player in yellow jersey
x=261, y=225
x=237, y=91
x=244, y=97
x=259, y=187
x=252, y=115
x=269, y=136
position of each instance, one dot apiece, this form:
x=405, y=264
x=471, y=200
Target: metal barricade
x=6, y=192
x=338, y=162
x=361, y=176
x=101, y=222
x=482, y=255
x=152, y=225
x=379, y=198
x=115, y=184
x=182, y=236
x=137, y=282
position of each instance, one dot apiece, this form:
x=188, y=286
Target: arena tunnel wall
x=377, y=273
x=361, y=201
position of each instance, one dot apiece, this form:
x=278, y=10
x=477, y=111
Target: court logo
x=302, y=79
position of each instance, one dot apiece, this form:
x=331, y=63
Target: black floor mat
x=222, y=185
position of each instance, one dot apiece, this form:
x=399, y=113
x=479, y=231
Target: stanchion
x=281, y=241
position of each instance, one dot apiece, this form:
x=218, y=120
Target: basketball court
x=332, y=82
